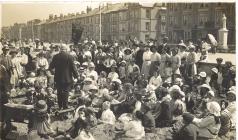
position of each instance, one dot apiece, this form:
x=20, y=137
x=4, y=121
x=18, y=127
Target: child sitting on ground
x=107, y=115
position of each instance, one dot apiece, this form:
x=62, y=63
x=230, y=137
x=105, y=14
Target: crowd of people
x=128, y=88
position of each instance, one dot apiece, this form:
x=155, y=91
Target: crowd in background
x=132, y=88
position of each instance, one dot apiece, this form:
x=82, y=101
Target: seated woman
x=209, y=126
x=179, y=106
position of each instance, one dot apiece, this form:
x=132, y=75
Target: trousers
x=63, y=90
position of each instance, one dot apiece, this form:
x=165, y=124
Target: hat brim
x=41, y=109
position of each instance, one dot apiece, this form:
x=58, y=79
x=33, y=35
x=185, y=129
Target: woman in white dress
x=146, y=62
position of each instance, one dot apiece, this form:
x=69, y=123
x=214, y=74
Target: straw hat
x=117, y=81
x=181, y=44
x=41, y=106
x=211, y=93
x=203, y=74
x=204, y=86
x=176, y=89
x=215, y=70
x=91, y=65
x=214, y=108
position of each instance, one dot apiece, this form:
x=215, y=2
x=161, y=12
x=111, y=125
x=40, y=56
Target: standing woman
x=155, y=60
x=16, y=66
x=146, y=62
x=176, y=63
x=164, y=58
x=191, y=68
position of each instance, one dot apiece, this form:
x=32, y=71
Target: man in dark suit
x=65, y=70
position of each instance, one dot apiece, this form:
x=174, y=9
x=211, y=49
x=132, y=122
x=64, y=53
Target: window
x=163, y=28
x=201, y=5
x=162, y=18
x=147, y=26
x=190, y=6
x=147, y=37
x=147, y=13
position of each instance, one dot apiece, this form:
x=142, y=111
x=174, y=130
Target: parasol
x=212, y=39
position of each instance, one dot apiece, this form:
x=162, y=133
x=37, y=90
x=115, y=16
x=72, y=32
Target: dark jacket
x=64, y=67
x=187, y=132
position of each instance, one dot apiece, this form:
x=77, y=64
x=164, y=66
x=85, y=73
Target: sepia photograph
x=117, y=70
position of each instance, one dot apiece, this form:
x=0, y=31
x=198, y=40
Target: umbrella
x=212, y=39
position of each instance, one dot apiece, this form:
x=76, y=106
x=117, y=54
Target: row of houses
x=122, y=21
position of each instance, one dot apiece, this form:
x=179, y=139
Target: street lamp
x=100, y=25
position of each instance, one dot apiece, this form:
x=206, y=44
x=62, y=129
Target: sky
x=13, y=11
x=23, y=12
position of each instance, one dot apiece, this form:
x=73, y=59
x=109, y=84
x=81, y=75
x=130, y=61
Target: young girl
x=107, y=116
x=40, y=120
x=122, y=70
x=41, y=78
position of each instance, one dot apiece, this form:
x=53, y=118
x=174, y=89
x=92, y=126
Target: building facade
x=118, y=22
x=195, y=20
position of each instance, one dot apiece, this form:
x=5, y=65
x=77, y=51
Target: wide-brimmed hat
x=5, y=47
x=123, y=62
x=116, y=80
x=114, y=66
x=127, y=50
x=176, y=89
x=191, y=47
x=84, y=64
x=91, y=65
x=41, y=106
x=214, y=108
x=204, y=86
x=93, y=87
x=88, y=79
x=215, y=70
x=211, y=93
x=13, y=51
x=181, y=44
x=203, y=74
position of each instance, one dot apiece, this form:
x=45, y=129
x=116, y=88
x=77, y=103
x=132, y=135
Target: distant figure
x=65, y=70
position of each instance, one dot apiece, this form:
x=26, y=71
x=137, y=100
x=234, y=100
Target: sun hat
x=215, y=70
x=176, y=89
x=91, y=65
x=106, y=105
x=84, y=64
x=204, y=86
x=203, y=74
x=182, y=44
x=127, y=50
x=88, y=79
x=114, y=66
x=116, y=80
x=214, y=108
x=93, y=87
x=123, y=62
x=211, y=93
x=41, y=106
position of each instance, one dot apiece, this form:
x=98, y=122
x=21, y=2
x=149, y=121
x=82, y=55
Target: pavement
x=226, y=57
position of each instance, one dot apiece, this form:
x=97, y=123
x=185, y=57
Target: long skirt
x=153, y=67
x=146, y=68
x=162, y=69
x=191, y=70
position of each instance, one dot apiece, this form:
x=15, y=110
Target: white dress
x=146, y=63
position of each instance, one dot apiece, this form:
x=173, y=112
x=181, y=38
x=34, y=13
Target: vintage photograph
x=100, y=70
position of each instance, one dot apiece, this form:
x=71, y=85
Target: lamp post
x=100, y=25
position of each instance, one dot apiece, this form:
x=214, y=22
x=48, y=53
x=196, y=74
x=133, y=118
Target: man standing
x=65, y=70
